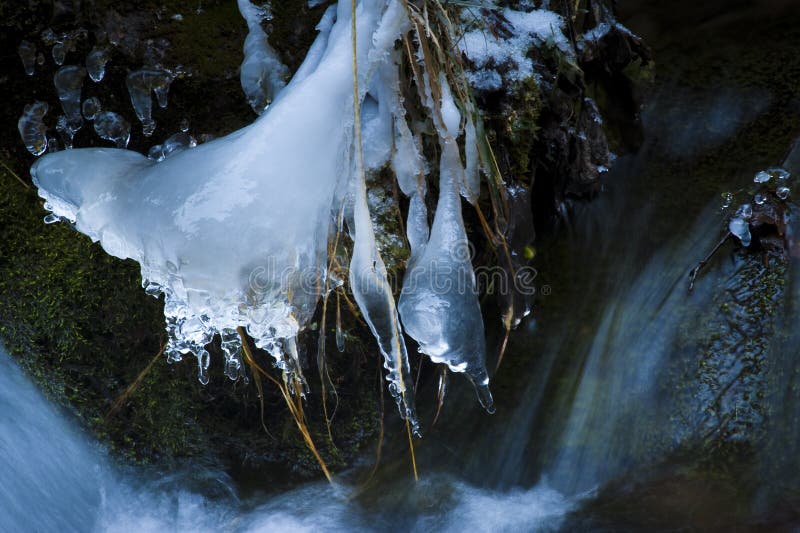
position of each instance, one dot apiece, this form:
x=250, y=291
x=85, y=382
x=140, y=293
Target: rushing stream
x=626, y=374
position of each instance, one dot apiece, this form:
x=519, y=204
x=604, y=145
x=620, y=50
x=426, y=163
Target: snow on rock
x=492, y=53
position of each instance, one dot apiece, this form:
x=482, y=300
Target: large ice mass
x=235, y=232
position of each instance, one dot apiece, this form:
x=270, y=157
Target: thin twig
x=14, y=174
x=120, y=401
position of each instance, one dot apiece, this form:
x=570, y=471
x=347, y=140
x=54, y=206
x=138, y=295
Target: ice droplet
x=32, y=129
x=762, y=176
x=62, y=43
x=782, y=192
x=759, y=198
x=741, y=229
x=66, y=131
x=780, y=174
x=141, y=84
x=69, y=83
x=177, y=142
x=27, y=52
x=112, y=127
x=727, y=200
x=184, y=125
x=745, y=211
x=51, y=219
x=91, y=107
x=96, y=63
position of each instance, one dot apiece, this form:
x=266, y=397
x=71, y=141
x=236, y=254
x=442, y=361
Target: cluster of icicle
x=69, y=82
x=234, y=232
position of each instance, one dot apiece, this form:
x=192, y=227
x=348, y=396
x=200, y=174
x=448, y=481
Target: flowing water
x=624, y=401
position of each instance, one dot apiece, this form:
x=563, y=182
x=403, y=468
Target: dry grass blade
x=120, y=401
x=294, y=408
x=14, y=174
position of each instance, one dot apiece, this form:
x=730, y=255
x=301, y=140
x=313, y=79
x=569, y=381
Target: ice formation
x=262, y=73
x=173, y=144
x=439, y=302
x=27, y=53
x=234, y=232
x=96, y=63
x=32, y=128
x=62, y=43
x=141, y=84
x=91, y=107
x=69, y=83
x=112, y=127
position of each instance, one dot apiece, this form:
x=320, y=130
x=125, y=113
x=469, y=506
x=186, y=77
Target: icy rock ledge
x=234, y=232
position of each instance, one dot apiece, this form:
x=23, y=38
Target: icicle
x=262, y=73
x=141, y=84
x=368, y=278
x=439, y=303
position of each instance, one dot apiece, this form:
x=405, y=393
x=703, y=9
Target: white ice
x=234, y=232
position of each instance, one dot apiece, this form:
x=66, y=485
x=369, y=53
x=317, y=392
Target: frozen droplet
x=112, y=127
x=156, y=153
x=27, y=52
x=32, y=129
x=177, y=17
x=727, y=200
x=51, y=219
x=184, y=125
x=69, y=83
x=759, y=198
x=176, y=143
x=96, y=63
x=745, y=211
x=91, y=107
x=782, y=192
x=762, y=176
x=141, y=84
x=52, y=145
x=203, y=360
x=741, y=229
x=66, y=131
x=40, y=59
x=780, y=174
x=48, y=36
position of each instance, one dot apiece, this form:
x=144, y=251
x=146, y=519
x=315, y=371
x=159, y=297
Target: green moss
x=79, y=323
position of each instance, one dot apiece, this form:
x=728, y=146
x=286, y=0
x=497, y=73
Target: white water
x=53, y=478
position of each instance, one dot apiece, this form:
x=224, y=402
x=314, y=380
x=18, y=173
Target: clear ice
x=69, y=83
x=741, y=229
x=96, y=63
x=91, y=107
x=141, y=84
x=27, y=53
x=62, y=43
x=173, y=144
x=32, y=128
x=234, y=232
x=439, y=301
x=112, y=127
x=262, y=73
